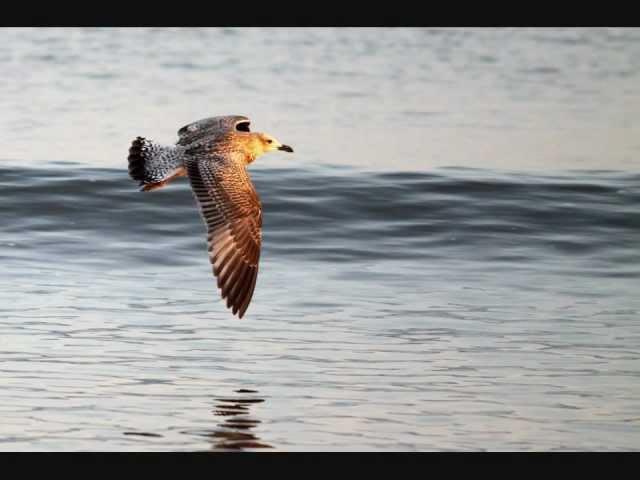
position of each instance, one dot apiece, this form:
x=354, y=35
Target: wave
x=332, y=214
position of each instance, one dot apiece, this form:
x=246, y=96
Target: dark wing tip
x=237, y=289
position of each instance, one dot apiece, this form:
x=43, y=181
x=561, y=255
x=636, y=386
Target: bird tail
x=153, y=165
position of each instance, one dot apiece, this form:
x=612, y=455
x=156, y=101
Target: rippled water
x=459, y=309
x=450, y=258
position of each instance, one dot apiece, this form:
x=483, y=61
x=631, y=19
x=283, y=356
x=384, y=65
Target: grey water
x=450, y=257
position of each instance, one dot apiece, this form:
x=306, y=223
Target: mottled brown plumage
x=213, y=153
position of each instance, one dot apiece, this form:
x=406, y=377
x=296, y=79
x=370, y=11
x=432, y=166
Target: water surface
x=457, y=309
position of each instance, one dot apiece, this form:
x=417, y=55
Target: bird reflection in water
x=234, y=431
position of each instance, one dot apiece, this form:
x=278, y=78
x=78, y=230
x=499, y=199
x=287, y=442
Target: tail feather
x=137, y=158
x=154, y=165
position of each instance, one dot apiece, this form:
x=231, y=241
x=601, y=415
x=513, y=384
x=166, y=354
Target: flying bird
x=214, y=154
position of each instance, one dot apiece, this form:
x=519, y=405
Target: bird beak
x=285, y=148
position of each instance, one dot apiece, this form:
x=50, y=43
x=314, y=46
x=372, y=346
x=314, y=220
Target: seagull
x=214, y=154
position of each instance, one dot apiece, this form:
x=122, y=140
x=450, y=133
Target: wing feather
x=208, y=128
x=231, y=210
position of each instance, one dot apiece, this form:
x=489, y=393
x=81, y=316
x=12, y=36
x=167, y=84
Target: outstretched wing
x=209, y=128
x=231, y=209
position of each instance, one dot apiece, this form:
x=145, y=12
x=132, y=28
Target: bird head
x=264, y=143
x=253, y=144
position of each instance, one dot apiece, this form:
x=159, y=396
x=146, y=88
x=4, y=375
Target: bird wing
x=231, y=209
x=209, y=128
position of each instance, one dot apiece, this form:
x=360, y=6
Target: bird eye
x=269, y=141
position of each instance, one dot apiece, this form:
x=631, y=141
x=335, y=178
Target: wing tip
x=238, y=294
